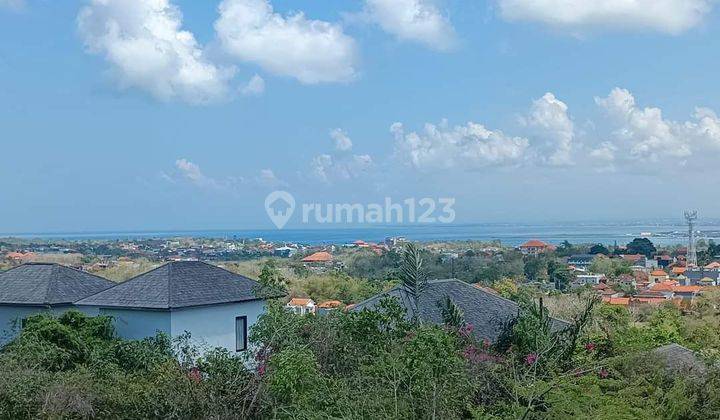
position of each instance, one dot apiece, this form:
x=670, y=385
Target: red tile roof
x=534, y=243
x=321, y=256
x=330, y=304
x=299, y=301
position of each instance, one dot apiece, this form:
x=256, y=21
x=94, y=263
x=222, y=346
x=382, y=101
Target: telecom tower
x=691, y=216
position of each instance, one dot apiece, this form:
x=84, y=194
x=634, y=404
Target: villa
x=488, y=312
x=33, y=288
x=217, y=307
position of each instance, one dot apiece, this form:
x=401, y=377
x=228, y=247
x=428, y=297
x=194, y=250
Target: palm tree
x=413, y=277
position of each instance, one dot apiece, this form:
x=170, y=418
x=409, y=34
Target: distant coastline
x=511, y=234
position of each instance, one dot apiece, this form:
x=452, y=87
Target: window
x=240, y=333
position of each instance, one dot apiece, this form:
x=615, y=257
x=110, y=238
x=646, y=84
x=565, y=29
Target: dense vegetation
x=368, y=364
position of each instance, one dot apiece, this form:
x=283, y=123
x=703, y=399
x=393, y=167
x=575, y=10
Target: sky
x=119, y=115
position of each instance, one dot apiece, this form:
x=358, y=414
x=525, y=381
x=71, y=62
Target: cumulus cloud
x=254, y=87
x=267, y=178
x=645, y=135
x=669, y=16
x=471, y=146
x=412, y=20
x=341, y=139
x=147, y=48
x=191, y=172
x=341, y=164
x=311, y=51
x=549, y=120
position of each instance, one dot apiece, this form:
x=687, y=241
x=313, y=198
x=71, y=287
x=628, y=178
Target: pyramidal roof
x=180, y=284
x=48, y=284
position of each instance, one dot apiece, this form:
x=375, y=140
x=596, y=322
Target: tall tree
x=641, y=246
x=413, y=277
x=599, y=249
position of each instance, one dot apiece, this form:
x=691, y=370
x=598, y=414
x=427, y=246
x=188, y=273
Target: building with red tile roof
x=318, y=257
x=535, y=246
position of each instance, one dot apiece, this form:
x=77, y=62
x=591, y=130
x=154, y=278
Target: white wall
x=11, y=316
x=214, y=325
x=132, y=324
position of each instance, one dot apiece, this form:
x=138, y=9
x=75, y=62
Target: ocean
x=512, y=234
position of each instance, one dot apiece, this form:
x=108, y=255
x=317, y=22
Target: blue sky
x=157, y=114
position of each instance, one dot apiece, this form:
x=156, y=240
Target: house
x=322, y=257
x=582, y=261
x=488, y=313
x=217, y=307
x=621, y=301
x=679, y=360
x=701, y=276
x=713, y=266
x=658, y=276
x=284, y=252
x=663, y=261
x=41, y=287
x=588, y=279
x=535, y=247
x=328, y=306
x=301, y=306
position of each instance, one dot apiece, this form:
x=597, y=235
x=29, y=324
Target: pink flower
x=486, y=343
x=590, y=347
x=261, y=369
x=195, y=375
x=466, y=330
x=531, y=358
x=603, y=373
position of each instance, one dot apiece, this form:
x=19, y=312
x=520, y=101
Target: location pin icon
x=280, y=206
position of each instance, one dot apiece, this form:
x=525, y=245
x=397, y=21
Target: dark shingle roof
x=487, y=312
x=680, y=360
x=179, y=284
x=48, y=284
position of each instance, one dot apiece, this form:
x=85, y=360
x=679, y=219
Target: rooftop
x=48, y=284
x=180, y=284
x=487, y=312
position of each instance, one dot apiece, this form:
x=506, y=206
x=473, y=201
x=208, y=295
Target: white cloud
x=144, y=42
x=670, y=16
x=645, y=135
x=471, y=146
x=267, y=178
x=341, y=164
x=330, y=168
x=342, y=141
x=191, y=172
x=254, y=87
x=549, y=120
x=412, y=20
x=311, y=51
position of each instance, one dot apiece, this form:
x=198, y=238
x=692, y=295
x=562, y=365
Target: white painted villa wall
x=214, y=325
x=135, y=324
x=12, y=315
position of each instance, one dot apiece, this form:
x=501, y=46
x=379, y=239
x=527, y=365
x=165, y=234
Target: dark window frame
x=244, y=332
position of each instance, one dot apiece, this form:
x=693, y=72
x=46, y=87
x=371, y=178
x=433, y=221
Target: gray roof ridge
x=86, y=273
x=170, y=283
x=51, y=283
x=121, y=283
